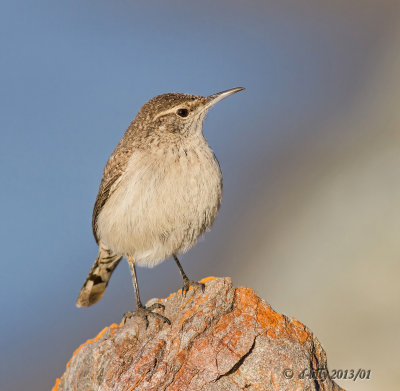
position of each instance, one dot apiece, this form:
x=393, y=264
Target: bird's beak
x=213, y=99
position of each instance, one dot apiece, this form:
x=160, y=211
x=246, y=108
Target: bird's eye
x=182, y=112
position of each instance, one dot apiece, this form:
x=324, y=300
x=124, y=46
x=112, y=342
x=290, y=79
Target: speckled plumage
x=141, y=135
x=161, y=188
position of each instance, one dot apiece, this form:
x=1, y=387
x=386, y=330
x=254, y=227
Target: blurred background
x=309, y=152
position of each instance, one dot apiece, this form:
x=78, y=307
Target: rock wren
x=161, y=189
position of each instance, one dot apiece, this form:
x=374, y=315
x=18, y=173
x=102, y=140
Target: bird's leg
x=186, y=282
x=141, y=310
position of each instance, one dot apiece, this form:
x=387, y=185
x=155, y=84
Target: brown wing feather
x=113, y=170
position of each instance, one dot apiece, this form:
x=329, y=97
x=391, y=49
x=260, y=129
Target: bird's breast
x=163, y=202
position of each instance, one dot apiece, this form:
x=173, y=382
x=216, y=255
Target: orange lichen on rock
x=89, y=341
x=55, y=387
x=226, y=338
x=299, y=331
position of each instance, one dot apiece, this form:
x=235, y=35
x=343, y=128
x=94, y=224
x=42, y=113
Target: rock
x=226, y=338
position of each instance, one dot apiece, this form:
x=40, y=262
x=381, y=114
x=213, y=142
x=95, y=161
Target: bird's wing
x=113, y=171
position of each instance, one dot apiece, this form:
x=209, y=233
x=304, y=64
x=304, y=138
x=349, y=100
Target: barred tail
x=96, y=282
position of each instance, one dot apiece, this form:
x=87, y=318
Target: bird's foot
x=188, y=283
x=145, y=312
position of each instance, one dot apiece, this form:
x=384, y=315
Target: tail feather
x=96, y=282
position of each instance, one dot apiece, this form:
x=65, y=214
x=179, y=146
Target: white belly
x=161, y=205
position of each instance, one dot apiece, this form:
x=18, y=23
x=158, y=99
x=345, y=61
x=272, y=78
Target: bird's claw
x=188, y=283
x=145, y=312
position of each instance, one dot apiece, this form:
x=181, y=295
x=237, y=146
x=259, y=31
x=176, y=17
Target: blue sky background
x=73, y=76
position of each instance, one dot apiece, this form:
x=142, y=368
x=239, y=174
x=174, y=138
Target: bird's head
x=178, y=114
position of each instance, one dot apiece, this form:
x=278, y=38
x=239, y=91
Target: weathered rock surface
x=226, y=338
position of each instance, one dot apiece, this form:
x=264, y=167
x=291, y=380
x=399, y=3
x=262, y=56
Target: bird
x=160, y=191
